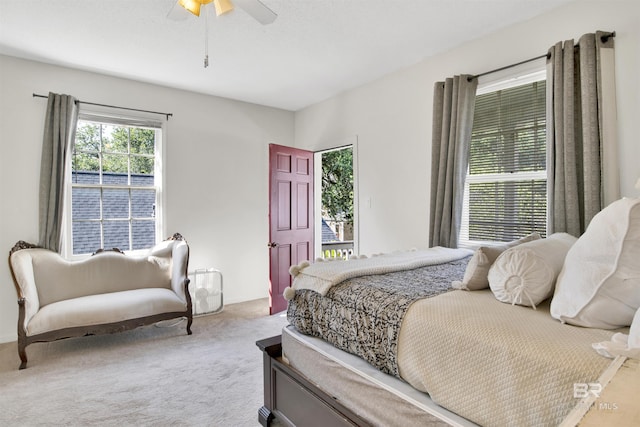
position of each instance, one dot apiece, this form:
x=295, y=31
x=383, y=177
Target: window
x=114, y=182
x=506, y=185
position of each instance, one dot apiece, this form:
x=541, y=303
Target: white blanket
x=321, y=276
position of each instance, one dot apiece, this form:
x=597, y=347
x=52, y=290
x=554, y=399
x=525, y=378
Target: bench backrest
x=57, y=279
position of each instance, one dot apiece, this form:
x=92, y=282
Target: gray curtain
x=581, y=131
x=453, y=107
x=59, y=132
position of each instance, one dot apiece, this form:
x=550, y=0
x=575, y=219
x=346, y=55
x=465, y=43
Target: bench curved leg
x=22, y=333
x=189, y=322
x=23, y=355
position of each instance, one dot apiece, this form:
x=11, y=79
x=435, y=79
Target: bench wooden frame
x=107, y=328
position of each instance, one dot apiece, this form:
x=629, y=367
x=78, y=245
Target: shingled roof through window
x=86, y=205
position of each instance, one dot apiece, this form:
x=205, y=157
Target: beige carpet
x=152, y=376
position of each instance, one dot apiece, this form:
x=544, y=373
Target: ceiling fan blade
x=257, y=10
x=223, y=6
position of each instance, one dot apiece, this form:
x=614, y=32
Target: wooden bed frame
x=293, y=399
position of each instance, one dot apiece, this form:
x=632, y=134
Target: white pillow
x=526, y=274
x=622, y=344
x=599, y=286
x=475, y=276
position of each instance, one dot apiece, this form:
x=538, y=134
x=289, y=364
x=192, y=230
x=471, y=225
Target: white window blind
x=505, y=190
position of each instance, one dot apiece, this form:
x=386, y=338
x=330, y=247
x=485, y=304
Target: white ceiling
x=314, y=50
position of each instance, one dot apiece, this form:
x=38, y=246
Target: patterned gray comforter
x=363, y=315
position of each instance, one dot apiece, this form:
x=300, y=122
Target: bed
x=389, y=341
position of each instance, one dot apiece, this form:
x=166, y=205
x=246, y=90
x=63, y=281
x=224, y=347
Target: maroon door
x=290, y=217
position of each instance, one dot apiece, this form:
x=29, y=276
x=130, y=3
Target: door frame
x=351, y=141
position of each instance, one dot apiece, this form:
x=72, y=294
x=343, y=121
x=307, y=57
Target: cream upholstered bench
x=105, y=293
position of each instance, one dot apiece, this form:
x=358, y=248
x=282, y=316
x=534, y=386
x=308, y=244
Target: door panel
x=302, y=252
x=302, y=166
x=302, y=206
x=284, y=262
x=290, y=217
x=284, y=206
x=284, y=162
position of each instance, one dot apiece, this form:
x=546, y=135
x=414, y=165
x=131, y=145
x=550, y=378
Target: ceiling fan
x=254, y=8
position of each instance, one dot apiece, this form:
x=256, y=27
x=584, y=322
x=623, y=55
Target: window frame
x=99, y=115
x=517, y=76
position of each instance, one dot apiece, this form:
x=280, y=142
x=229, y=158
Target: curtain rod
x=604, y=39
x=36, y=95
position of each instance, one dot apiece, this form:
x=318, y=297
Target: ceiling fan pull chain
x=206, y=38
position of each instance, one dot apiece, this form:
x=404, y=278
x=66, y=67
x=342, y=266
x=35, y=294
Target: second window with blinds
x=506, y=185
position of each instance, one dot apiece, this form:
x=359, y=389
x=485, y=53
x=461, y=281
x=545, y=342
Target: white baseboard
x=228, y=301
x=8, y=338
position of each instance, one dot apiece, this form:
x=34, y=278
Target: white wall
x=216, y=170
x=217, y=155
x=392, y=116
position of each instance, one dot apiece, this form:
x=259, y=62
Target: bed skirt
x=375, y=397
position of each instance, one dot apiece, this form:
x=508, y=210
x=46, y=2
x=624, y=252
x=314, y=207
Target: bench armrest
x=179, y=269
x=21, y=265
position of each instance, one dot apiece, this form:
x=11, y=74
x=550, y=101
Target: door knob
x=272, y=244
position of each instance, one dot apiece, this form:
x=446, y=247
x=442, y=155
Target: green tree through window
x=337, y=184
x=118, y=145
